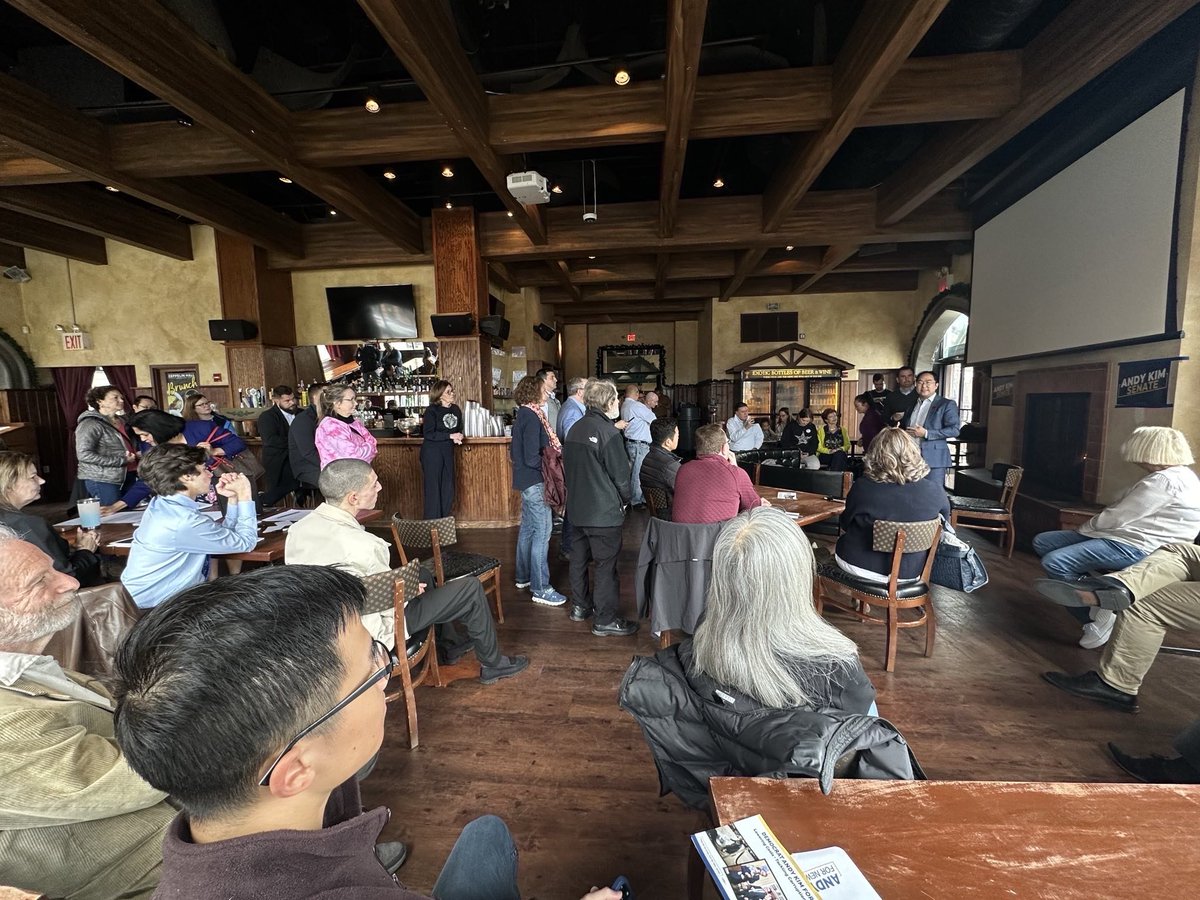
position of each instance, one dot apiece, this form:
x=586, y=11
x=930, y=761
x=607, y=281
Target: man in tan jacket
x=75, y=821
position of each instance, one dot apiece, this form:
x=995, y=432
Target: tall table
x=988, y=839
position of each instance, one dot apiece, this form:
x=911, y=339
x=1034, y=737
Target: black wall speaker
x=495, y=305
x=544, y=331
x=455, y=325
x=494, y=326
x=232, y=330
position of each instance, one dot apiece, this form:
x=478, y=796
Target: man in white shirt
x=744, y=433
x=331, y=535
x=64, y=784
x=637, y=416
x=549, y=379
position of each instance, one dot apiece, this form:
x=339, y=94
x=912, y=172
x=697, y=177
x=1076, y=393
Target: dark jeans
x=482, y=865
x=836, y=461
x=437, y=464
x=462, y=599
x=603, y=545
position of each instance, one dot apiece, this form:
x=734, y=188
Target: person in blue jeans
x=259, y=734
x=569, y=413
x=531, y=432
x=1162, y=508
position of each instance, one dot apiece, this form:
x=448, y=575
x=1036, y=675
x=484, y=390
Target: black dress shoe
x=391, y=855
x=1156, y=769
x=616, y=628
x=506, y=668
x=580, y=613
x=1091, y=686
x=1101, y=591
x=452, y=655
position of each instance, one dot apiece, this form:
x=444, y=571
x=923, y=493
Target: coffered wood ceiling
x=868, y=144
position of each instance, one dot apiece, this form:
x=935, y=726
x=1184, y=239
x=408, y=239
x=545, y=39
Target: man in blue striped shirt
x=171, y=547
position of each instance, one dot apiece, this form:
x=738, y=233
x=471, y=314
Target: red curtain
x=334, y=351
x=124, y=379
x=72, y=383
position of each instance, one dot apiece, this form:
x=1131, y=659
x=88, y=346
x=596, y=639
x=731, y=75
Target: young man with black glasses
x=253, y=701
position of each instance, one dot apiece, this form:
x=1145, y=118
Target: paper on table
x=786, y=495
x=288, y=515
x=834, y=874
x=125, y=517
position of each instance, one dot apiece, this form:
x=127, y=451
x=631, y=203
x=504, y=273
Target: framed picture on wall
x=172, y=384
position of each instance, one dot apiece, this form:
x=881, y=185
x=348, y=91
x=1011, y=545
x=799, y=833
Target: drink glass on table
x=89, y=513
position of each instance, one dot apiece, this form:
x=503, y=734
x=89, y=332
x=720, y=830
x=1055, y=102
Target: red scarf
x=540, y=413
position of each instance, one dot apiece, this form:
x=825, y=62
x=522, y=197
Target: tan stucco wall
x=141, y=309
x=576, y=363
x=871, y=330
x=312, y=312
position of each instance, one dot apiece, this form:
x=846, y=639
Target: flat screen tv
x=372, y=312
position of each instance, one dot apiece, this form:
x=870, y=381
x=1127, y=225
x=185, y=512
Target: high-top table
x=809, y=507
x=958, y=839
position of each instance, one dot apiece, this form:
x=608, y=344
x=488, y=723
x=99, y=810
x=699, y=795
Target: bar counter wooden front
x=483, y=491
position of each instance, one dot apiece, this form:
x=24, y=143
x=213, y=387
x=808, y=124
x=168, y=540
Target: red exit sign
x=630, y=338
x=76, y=340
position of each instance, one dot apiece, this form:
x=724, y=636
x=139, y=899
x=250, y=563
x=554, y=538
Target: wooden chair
x=659, y=502
x=1000, y=511
x=418, y=653
x=435, y=534
x=896, y=538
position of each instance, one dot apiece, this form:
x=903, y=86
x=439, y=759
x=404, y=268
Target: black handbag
x=957, y=566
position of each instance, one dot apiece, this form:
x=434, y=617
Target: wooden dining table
x=959, y=839
x=268, y=550
x=809, y=508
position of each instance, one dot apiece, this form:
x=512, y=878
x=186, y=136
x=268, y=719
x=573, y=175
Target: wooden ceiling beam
x=834, y=256
x=662, y=269
x=746, y=263
x=864, y=282
x=31, y=120
x=558, y=268
x=932, y=89
x=423, y=38
x=603, y=318
x=504, y=277
x=145, y=42
x=884, y=34
x=50, y=237
x=11, y=255
x=102, y=213
x=1083, y=41
x=685, y=38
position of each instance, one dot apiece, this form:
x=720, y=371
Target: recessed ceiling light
x=718, y=182
x=449, y=205
x=510, y=213
x=333, y=212
x=372, y=105
x=789, y=248
x=115, y=190
x=285, y=179
x=621, y=76
x=389, y=174
x=557, y=189
x=447, y=172
x=184, y=121
x=591, y=257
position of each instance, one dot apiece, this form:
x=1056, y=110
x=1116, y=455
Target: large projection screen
x=1084, y=259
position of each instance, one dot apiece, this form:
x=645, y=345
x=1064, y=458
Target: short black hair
x=932, y=374
x=162, y=426
x=878, y=376
x=864, y=398
x=282, y=390
x=98, y=393
x=140, y=397
x=544, y=372
x=163, y=467
x=740, y=406
x=212, y=683
x=662, y=429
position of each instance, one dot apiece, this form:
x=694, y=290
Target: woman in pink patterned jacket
x=339, y=434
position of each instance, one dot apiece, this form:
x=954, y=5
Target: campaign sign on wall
x=1002, y=390
x=1144, y=383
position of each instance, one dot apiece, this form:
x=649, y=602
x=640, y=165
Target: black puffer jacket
x=698, y=729
x=597, y=471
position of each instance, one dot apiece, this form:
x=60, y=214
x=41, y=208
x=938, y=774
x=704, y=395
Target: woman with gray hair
x=1162, y=508
x=894, y=489
x=761, y=633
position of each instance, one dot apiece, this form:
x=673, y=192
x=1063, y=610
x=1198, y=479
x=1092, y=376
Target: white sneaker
x=521, y=585
x=1097, y=632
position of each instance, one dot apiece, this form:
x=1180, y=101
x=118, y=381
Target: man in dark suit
x=302, y=441
x=932, y=420
x=273, y=427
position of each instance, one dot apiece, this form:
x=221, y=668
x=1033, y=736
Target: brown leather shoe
x=1091, y=686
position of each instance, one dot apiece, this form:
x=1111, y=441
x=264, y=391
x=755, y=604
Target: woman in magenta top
x=339, y=434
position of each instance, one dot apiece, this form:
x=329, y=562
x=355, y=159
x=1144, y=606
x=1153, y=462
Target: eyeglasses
x=927, y=381
x=379, y=650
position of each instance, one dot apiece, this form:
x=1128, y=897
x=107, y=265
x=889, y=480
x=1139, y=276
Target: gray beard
x=25, y=628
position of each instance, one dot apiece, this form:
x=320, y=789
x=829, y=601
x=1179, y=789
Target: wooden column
x=251, y=291
x=460, y=285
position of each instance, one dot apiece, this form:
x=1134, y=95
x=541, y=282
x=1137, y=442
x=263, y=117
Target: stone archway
x=16, y=368
x=939, y=315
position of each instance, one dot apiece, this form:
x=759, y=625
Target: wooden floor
x=551, y=753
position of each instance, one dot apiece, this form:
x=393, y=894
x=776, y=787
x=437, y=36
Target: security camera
x=590, y=218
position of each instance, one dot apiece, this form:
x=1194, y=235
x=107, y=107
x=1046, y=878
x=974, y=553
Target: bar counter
x=483, y=491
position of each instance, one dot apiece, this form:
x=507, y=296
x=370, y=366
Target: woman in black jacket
x=21, y=485
x=893, y=488
x=801, y=434
x=442, y=429
x=530, y=435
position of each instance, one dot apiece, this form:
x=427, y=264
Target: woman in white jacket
x=1162, y=508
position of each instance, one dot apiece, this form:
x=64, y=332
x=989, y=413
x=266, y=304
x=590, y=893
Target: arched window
x=956, y=380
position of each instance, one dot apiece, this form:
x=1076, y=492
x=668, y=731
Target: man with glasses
x=932, y=420
x=172, y=546
x=258, y=733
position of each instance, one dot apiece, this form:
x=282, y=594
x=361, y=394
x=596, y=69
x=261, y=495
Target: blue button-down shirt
x=639, y=416
x=572, y=411
x=171, y=546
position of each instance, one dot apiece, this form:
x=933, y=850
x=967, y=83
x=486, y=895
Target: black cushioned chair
x=434, y=534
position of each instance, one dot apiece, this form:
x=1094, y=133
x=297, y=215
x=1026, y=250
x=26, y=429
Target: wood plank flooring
x=551, y=753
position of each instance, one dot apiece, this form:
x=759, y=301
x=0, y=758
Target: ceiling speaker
x=494, y=326
x=544, y=331
x=232, y=330
x=455, y=325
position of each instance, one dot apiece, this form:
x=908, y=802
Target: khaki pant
x=1166, y=590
